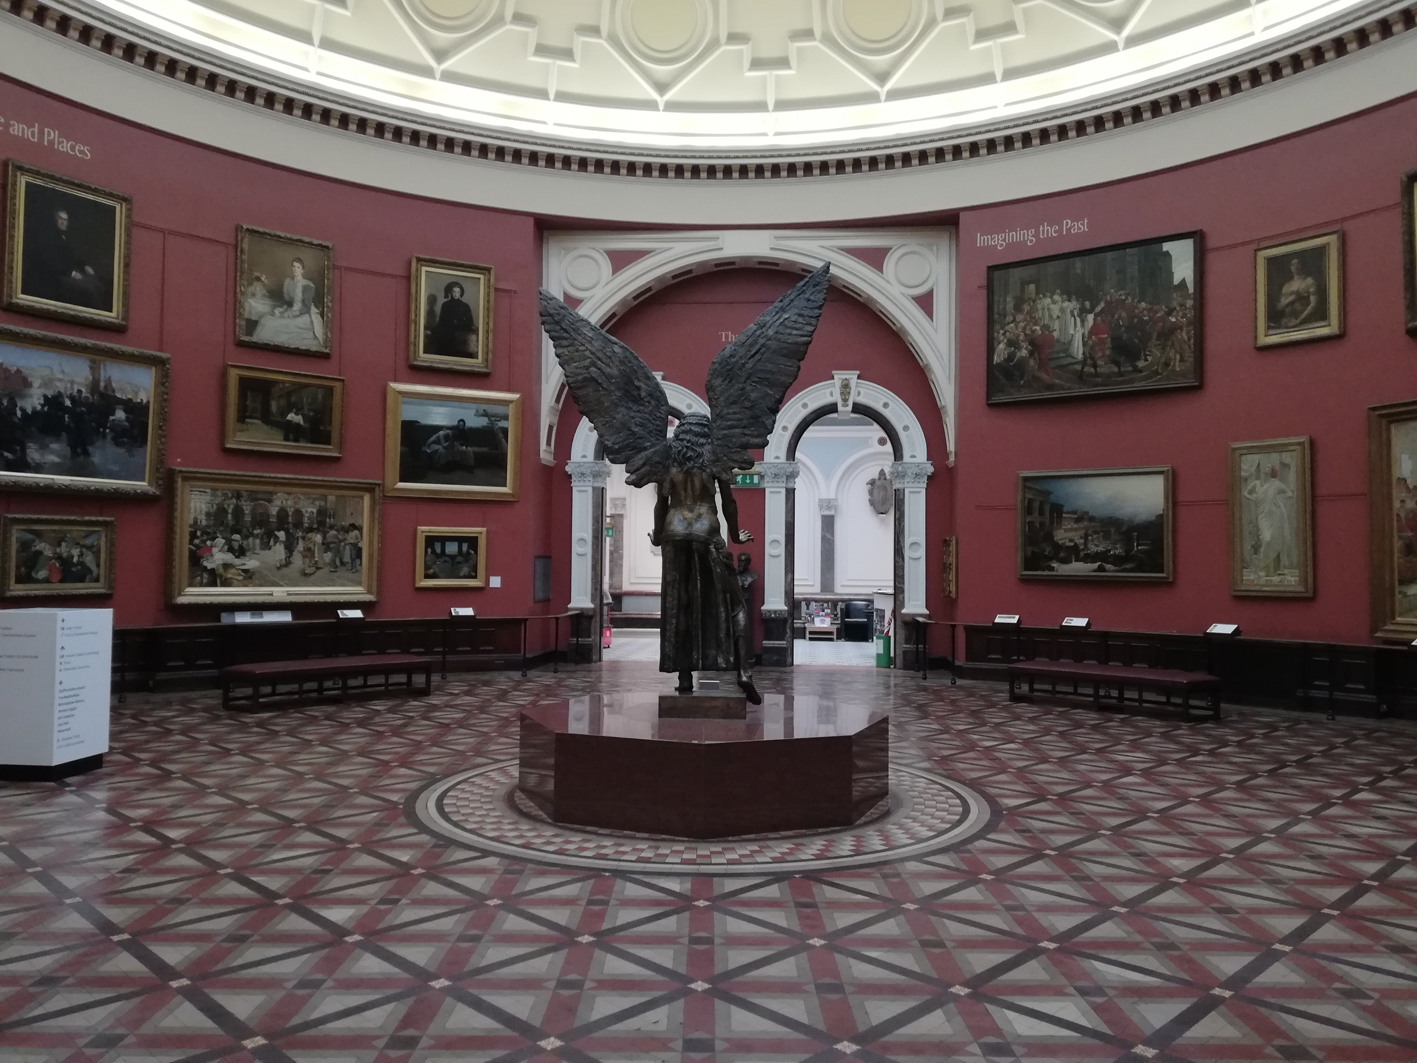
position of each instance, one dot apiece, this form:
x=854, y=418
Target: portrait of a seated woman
x=288, y=317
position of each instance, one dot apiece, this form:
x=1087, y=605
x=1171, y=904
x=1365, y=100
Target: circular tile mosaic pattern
x=482, y=809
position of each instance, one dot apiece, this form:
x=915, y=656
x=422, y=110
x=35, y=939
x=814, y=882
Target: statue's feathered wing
x=750, y=376
x=614, y=389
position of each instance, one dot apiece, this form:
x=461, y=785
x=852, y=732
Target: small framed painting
x=66, y=248
x=451, y=557
x=283, y=291
x=248, y=539
x=1271, y=519
x=80, y=416
x=1299, y=290
x=285, y=413
x=1392, y=521
x=451, y=443
x=1095, y=524
x=950, y=568
x=52, y=557
x=1409, y=248
x=450, y=315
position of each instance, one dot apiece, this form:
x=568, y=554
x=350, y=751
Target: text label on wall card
x=258, y=616
x=1223, y=629
x=1076, y=621
x=1007, y=618
x=462, y=610
x=350, y=614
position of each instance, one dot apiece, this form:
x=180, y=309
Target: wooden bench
x=327, y=674
x=1166, y=681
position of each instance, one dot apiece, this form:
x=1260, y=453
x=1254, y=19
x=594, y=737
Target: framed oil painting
x=1095, y=524
x=283, y=292
x=1392, y=522
x=1271, y=519
x=1115, y=320
x=450, y=315
x=1409, y=248
x=53, y=557
x=240, y=538
x=451, y=443
x=80, y=416
x=66, y=248
x=451, y=557
x=284, y=413
x=1299, y=290
x=950, y=567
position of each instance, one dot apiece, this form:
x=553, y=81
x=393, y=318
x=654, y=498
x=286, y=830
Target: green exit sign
x=610, y=531
x=748, y=479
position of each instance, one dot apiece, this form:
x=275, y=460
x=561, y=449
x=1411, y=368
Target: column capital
x=911, y=473
x=778, y=473
x=588, y=473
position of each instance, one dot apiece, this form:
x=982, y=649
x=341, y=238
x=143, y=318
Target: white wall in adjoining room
x=836, y=457
x=641, y=560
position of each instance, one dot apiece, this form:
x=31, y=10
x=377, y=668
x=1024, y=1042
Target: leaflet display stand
x=55, y=682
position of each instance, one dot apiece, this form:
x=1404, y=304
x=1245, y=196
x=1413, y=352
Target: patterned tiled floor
x=245, y=888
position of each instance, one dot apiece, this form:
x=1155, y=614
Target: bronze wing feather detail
x=749, y=377
x=614, y=389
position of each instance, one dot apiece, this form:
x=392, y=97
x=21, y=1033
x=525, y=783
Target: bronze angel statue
x=704, y=624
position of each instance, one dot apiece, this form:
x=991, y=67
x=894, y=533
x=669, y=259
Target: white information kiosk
x=55, y=678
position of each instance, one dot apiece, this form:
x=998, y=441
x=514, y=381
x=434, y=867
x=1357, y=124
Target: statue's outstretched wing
x=614, y=389
x=750, y=376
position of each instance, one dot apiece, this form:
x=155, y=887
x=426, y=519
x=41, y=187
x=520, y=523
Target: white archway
x=603, y=274
x=589, y=471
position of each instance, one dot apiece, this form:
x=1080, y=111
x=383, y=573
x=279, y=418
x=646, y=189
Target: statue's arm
x=730, y=512
x=661, y=510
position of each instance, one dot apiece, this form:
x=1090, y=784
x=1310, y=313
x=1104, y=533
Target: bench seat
x=251, y=682
x=1168, y=681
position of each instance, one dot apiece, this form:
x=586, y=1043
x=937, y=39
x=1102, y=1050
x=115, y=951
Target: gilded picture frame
x=1129, y=314
x=1096, y=524
x=272, y=540
x=1392, y=521
x=284, y=292
x=1299, y=290
x=106, y=405
x=280, y=412
x=451, y=443
x=68, y=248
x=1271, y=518
x=450, y=558
x=1409, y=248
x=56, y=557
x=447, y=331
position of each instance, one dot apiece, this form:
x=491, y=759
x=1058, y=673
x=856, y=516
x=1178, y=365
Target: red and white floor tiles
x=262, y=887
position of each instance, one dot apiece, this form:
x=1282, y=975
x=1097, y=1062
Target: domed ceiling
x=724, y=77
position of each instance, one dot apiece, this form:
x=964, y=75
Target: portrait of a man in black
x=68, y=249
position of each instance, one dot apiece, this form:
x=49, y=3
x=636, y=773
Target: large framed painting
x=284, y=413
x=241, y=538
x=451, y=443
x=56, y=557
x=1392, y=522
x=1271, y=519
x=451, y=557
x=1113, y=320
x=66, y=248
x=450, y=315
x=1095, y=524
x=1299, y=290
x=1409, y=248
x=80, y=416
x=283, y=291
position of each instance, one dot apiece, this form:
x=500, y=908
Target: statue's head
x=690, y=444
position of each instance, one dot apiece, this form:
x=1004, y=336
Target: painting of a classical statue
x=703, y=620
x=1271, y=519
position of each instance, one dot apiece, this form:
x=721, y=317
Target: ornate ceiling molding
x=767, y=163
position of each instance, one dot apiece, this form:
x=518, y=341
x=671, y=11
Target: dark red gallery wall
x=187, y=202
x=677, y=331
x=1341, y=176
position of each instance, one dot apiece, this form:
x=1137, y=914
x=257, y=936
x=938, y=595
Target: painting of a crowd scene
x=80, y=416
x=451, y=443
x=451, y=557
x=1392, y=457
x=266, y=539
x=1121, y=318
x=290, y=413
x=1108, y=524
x=1271, y=519
x=56, y=556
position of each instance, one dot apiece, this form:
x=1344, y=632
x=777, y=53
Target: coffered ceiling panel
x=730, y=77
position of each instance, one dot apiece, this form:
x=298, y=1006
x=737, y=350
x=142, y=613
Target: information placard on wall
x=55, y=680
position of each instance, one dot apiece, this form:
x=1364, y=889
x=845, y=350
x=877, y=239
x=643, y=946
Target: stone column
x=779, y=508
x=826, y=508
x=588, y=479
x=910, y=478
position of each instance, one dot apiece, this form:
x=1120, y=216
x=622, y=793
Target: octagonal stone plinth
x=617, y=761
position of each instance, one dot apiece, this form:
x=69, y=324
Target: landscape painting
x=451, y=443
x=1098, y=524
x=1118, y=319
x=79, y=416
x=1271, y=519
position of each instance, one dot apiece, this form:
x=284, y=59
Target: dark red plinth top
x=638, y=715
